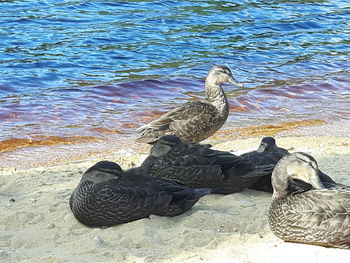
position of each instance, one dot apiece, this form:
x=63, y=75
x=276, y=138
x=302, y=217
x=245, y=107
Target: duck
x=303, y=210
x=106, y=196
x=268, y=153
x=268, y=144
x=194, y=121
x=199, y=166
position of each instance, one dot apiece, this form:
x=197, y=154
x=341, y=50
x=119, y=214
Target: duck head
x=221, y=74
x=102, y=171
x=296, y=172
x=164, y=145
x=267, y=144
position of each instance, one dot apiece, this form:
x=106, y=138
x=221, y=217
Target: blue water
x=69, y=67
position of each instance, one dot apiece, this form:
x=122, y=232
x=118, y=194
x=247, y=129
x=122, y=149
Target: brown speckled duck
x=195, y=120
x=107, y=195
x=303, y=210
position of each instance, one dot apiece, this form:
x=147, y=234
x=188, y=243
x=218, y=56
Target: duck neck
x=147, y=163
x=279, y=195
x=216, y=96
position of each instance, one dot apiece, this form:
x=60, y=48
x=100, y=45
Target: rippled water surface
x=89, y=70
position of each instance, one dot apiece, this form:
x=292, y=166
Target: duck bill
x=262, y=148
x=235, y=82
x=316, y=183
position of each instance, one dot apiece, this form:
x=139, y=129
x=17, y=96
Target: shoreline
x=38, y=226
x=59, y=151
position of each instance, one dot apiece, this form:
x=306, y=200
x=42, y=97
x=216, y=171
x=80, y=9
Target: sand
x=36, y=224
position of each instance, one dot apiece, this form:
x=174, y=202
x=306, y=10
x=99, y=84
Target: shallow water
x=94, y=71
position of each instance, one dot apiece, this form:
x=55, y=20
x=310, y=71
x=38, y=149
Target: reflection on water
x=97, y=70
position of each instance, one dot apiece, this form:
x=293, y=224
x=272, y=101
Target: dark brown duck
x=268, y=153
x=106, y=196
x=199, y=166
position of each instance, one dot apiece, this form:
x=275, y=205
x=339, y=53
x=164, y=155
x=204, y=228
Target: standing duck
x=269, y=153
x=303, y=210
x=199, y=166
x=195, y=120
x=106, y=196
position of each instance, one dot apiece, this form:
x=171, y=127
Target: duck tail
x=142, y=128
x=198, y=193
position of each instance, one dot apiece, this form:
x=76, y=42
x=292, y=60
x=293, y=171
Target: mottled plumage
x=195, y=120
x=106, y=196
x=199, y=166
x=303, y=210
x=269, y=153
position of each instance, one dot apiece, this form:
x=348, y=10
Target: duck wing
x=193, y=164
x=183, y=121
x=203, y=154
x=110, y=203
x=261, y=159
x=320, y=217
x=192, y=171
x=182, y=196
x=200, y=166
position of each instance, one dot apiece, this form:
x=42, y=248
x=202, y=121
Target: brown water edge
x=109, y=148
x=243, y=132
x=266, y=130
x=16, y=143
x=54, y=150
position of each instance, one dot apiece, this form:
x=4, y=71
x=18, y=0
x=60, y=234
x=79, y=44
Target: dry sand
x=36, y=224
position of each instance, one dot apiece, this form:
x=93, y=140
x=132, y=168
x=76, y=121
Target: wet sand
x=53, y=150
x=37, y=226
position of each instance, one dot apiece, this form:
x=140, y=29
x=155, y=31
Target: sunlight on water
x=77, y=71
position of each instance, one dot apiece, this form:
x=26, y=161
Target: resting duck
x=106, y=196
x=303, y=210
x=199, y=166
x=195, y=120
x=269, y=153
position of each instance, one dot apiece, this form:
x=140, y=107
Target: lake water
x=78, y=73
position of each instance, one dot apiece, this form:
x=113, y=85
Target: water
x=93, y=71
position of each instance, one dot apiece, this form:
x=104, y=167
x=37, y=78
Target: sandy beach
x=37, y=225
x=79, y=78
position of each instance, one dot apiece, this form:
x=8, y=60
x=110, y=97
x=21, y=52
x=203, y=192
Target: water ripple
x=68, y=67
